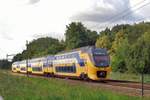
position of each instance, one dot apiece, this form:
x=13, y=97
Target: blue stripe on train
x=71, y=55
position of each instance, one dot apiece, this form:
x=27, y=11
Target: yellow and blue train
x=85, y=63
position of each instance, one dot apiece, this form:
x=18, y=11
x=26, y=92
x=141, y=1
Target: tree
x=76, y=36
x=119, y=58
x=139, y=55
x=117, y=41
x=92, y=37
x=17, y=57
x=5, y=64
x=40, y=47
x=103, y=42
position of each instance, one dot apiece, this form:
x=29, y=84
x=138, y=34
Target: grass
x=23, y=88
x=129, y=77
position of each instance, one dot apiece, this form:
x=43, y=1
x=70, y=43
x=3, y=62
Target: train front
x=100, y=64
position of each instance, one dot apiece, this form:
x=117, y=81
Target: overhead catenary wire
x=126, y=10
x=125, y=14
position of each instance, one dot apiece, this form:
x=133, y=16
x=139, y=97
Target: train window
x=60, y=69
x=70, y=69
x=37, y=68
x=63, y=69
x=82, y=64
x=56, y=69
x=65, y=56
x=66, y=69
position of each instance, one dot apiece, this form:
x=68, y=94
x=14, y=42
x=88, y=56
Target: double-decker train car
x=14, y=67
x=48, y=66
x=85, y=63
x=36, y=65
x=22, y=66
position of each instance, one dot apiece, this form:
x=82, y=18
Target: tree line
x=128, y=45
x=76, y=36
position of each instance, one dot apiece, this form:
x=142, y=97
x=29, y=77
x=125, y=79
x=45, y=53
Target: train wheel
x=84, y=77
x=48, y=75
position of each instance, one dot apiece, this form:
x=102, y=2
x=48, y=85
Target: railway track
x=119, y=86
x=129, y=84
x=121, y=83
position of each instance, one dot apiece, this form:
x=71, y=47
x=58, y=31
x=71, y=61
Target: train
x=84, y=63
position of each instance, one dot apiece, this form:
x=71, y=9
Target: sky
x=22, y=20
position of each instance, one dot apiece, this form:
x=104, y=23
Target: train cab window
x=101, y=58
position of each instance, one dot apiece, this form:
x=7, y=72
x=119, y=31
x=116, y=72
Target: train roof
x=52, y=57
x=83, y=49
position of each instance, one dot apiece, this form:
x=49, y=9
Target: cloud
x=107, y=11
x=6, y=36
x=33, y=1
x=58, y=36
x=5, y=31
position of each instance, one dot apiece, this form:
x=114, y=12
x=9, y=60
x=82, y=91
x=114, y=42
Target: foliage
x=128, y=46
x=92, y=37
x=5, y=64
x=77, y=35
x=120, y=56
x=103, y=42
x=41, y=47
x=139, y=55
x=129, y=76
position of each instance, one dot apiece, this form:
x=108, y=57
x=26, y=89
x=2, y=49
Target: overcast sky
x=22, y=20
